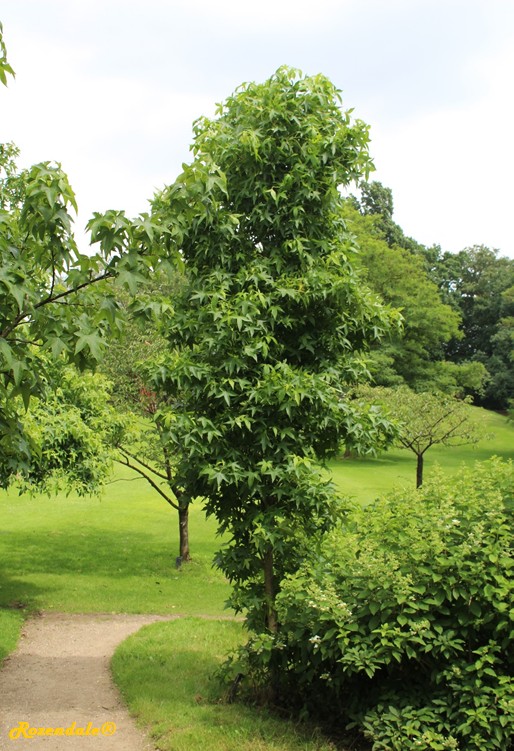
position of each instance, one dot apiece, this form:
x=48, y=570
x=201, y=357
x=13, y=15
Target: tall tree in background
x=414, y=356
x=377, y=200
x=272, y=323
x=479, y=283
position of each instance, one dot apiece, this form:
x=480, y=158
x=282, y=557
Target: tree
x=271, y=325
x=142, y=445
x=53, y=299
x=426, y=420
x=377, y=201
x=478, y=282
x=414, y=355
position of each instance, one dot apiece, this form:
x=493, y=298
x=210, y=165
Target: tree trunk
x=419, y=471
x=269, y=590
x=183, y=528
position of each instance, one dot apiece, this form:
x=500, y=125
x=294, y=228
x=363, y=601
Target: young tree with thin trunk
x=271, y=325
x=426, y=420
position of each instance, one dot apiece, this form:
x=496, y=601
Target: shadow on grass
x=108, y=553
x=17, y=596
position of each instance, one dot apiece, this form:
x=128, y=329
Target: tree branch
x=145, y=465
x=125, y=461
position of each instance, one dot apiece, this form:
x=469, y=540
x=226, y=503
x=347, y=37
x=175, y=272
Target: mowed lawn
x=113, y=553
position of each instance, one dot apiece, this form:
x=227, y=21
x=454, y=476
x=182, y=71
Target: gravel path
x=59, y=675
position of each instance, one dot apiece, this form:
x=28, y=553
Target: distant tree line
x=458, y=308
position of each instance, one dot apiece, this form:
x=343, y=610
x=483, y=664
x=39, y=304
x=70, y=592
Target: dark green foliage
x=415, y=354
x=479, y=284
x=376, y=200
x=402, y=622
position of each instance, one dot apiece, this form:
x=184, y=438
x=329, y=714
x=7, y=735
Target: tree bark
x=183, y=528
x=269, y=590
x=419, y=471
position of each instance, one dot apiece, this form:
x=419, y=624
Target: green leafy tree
x=414, y=355
x=53, y=298
x=426, y=419
x=377, y=201
x=478, y=282
x=272, y=323
x=129, y=362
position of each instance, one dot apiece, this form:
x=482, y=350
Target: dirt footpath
x=59, y=680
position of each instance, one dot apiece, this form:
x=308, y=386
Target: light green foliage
x=426, y=419
x=402, y=622
x=5, y=68
x=53, y=299
x=273, y=321
x=415, y=355
x=73, y=429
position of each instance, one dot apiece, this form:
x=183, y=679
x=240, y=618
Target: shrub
x=401, y=625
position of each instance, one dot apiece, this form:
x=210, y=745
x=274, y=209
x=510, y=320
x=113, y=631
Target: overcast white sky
x=110, y=88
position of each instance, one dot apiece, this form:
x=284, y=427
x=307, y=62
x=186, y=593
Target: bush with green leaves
x=402, y=624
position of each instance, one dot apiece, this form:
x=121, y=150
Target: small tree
x=428, y=420
x=142, y=445
x=271, y=324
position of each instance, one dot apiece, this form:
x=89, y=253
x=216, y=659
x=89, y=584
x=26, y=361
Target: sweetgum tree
x=271, y=325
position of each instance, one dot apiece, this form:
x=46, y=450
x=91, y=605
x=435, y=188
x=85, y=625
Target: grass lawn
x=165, y=674
x=115, y=553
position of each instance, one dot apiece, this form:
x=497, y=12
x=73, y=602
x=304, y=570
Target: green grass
x=165, y=674
x=110, y=554
x=11, y=622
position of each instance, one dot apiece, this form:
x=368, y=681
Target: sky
x=110, y=89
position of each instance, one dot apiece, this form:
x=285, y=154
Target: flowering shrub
x=402, y=625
